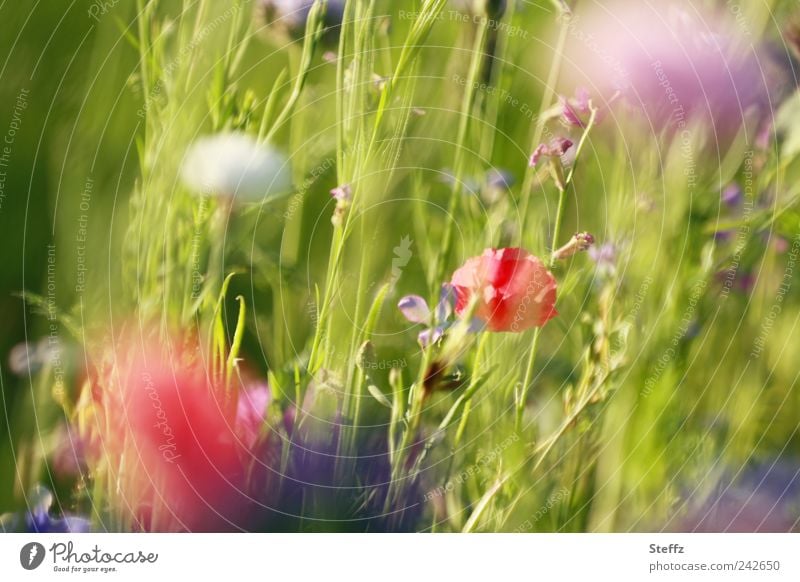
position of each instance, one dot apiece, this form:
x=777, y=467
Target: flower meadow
x=407, y=266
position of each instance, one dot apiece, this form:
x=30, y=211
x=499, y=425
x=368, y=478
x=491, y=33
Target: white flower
x=237, y=166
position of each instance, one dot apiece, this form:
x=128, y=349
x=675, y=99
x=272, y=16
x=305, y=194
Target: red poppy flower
x=514, y=289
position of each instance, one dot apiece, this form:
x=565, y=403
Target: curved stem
x=522, y=394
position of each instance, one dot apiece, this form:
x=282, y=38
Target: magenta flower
x=415, y=309
x=675, y=65
x=556, y=148
x=605, y=258
x=251, y=411
x=577, y=110
x=732, y=194
x=343, y=193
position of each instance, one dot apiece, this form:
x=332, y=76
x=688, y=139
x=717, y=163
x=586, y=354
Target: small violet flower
x=499, y=179
x=291, y=16
x=731, y=195
x=415, y=309
x=496, y=184
x=38, y=519
x=605, y=258
x=468, y=185
x=251, y=410
x=343, y=193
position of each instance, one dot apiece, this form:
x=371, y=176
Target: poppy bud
x=580, y=241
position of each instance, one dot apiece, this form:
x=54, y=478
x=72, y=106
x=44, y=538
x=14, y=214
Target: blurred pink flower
x=179, y=447
x=674, y=64
x=251, y=411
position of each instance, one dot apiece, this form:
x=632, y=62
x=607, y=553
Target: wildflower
x=761, y=497
x=605, y=259
x=676, y=67
x=468, y=185
x=234, y=165
x=723, y=236
x=496, y=183
x=576, y=111
x=38, y=519
x=731, y=195
x=556, y=148
x=580, y=241
x=415, y=309
x=781, y=245
x=289, y=17
x=342, y=193
x=555, y=151
x=514, y=290
x=178, y=431
x=499, y=178
x=251, y=409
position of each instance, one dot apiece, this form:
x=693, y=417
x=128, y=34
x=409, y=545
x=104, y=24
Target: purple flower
x=676, y=65
x=290, y=16
x=556, y=148
x=430, y=336
x=577, y=110
x=740, y=281
x=605, y=257
x=496, y=184
x=732, y=194
x=761, y=497
x=413, y=307
x=468, y=185
x=343, y=193
x=250, y=413
x=39, y=520
x=723, y=235
x=499, y=179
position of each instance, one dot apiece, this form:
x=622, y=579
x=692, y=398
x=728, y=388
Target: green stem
x=522, y=394
x=547, y=98
x=463, y=131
